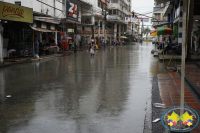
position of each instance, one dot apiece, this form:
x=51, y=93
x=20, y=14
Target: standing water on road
x=107, y=93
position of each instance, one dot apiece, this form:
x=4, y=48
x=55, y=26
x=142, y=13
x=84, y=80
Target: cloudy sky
x=143, y=7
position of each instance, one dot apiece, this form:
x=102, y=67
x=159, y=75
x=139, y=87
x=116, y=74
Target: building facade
x=158, y=11
x=98, y=20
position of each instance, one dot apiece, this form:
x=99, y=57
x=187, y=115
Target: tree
x=146, y=31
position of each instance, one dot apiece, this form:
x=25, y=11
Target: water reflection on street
x=107, y=93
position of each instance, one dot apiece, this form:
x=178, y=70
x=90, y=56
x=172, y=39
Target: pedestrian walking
x=196, y=44
x=36, y=43
x=92, y=50
x=70, y=44
x=59, y=44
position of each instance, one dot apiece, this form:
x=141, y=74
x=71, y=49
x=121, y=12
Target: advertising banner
x=15, y=12
x=128, y=19
x=72, y=10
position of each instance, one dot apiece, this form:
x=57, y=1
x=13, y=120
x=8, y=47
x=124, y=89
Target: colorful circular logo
x=180, y=119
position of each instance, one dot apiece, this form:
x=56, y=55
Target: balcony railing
x=117, y=6
x=166, y=7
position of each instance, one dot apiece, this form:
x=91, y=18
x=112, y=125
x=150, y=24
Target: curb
x=156, y=112
x=28, y=61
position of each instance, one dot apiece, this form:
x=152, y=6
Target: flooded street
x=107, y=93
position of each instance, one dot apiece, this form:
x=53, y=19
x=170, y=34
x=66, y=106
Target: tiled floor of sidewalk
x=170, y=90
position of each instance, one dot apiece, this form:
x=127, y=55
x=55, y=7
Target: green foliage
x=146, y=31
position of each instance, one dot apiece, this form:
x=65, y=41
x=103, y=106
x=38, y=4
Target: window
x=18, y=3
x=114, y=11
x=99, y=3
x=119, y=13
x=157, y=16
x=110, y=12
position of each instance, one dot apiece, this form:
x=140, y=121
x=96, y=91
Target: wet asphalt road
x=80, y=94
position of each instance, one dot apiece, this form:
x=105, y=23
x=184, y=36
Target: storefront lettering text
x=8, y=11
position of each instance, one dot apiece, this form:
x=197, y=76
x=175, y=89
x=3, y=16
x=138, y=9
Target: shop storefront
x=48, y=36
x=15, y=35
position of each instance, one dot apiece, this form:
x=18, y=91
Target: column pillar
x=103, y=29
x=122, y=29
x=99, y=33
x=66, y=32
x=115, y=32
x=1, y=43
x=93, y=23
x=56, y=38
x=180, y=26
x=119, y=29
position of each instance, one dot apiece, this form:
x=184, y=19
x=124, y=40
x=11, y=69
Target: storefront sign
x=107, y=32
x=84, y=32
x=15, y=12
x=128, y=19
x=72, y=9
x=112, y=18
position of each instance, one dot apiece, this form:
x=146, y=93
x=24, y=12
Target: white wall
x=26, y=3
x=42, y=8
x=93, y=2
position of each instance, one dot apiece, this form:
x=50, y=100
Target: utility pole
x=105, y=28
x=184, y=41
x=104, y=22
x=75, y=41
x=142, y=28
x=133, y=23
x=1, y=43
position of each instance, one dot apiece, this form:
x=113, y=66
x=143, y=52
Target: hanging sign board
x=72, y=10
x=15, y=12
x=128, y=19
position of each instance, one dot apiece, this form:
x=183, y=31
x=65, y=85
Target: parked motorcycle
x=177, y=49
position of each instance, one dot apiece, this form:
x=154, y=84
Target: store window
x=38, y=24
x=48, y=26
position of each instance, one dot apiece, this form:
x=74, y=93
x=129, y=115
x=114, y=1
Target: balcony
x=158, y=9
x=118, y=6
x=167, y=9
x=161, y=1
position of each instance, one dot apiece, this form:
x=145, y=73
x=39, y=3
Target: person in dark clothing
x=59, y=44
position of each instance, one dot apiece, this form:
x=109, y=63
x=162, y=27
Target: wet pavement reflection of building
x=79, y=93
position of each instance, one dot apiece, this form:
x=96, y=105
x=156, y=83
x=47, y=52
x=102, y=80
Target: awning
x=43, y=29
x=48, y=19
x=160, y=25
x=98, y=15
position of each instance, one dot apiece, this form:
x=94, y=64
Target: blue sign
x=112, y=18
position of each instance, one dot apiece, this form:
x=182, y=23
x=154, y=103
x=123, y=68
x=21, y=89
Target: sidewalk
x=14, y=61
x=166, y=90
x=168, y=56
